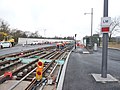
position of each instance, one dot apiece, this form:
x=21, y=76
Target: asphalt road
x=20, y=48
x=81, y=66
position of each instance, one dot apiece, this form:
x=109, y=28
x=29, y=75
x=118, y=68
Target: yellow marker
x=40, y=64
x=39, y=74
x=39, y=69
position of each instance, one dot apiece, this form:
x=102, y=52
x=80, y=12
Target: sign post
x=105, y=41
x=105, y=23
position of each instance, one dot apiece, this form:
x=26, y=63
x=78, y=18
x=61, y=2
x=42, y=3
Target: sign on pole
x=105, y=24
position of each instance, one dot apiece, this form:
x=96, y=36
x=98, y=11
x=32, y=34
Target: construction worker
x=58, y=46
x=62, y=46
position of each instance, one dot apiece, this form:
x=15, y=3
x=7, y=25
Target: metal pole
x=105, y=44
x=75, y=41
x=91, y=24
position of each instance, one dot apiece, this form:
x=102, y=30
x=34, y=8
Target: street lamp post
x=44, y=32
x=91, y=24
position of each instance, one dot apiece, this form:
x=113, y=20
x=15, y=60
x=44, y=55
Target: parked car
x=35, y=43
x=5, y=44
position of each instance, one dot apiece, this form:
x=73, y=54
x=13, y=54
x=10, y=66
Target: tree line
x=6, y=31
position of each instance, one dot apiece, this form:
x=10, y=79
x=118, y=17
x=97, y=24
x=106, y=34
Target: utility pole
x=91, y=13
x=91, y=24
x=105, y=44
x=44, y=32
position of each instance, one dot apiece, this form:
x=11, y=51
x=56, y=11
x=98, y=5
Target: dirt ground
x=112, y=45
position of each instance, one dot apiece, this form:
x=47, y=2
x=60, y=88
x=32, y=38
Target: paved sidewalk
x=80, y=67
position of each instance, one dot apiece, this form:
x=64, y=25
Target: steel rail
x=16, y=59
x=41, y=88
x=4, y=78
x=4, y=62
x=11, y=88
x=44, y=83
x=43, y=70
x=24, y=52
x=52, y=56
x=53, y=70
x=38, y=54
x=30, y=86
x=34, y=62
x=10, y=65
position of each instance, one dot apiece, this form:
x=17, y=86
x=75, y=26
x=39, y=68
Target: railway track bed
x=21, y=75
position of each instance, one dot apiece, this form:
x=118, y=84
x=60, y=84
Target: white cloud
x=58, y=17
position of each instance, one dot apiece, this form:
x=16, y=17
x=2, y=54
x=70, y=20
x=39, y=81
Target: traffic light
x=39, y=70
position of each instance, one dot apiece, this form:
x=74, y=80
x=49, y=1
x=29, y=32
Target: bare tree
x=4, y=26
x=114, y=27
x=98, y=31
x=4, y=29
x=34, y=35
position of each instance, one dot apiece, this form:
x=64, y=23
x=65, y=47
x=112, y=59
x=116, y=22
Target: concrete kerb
x=112, y=48
x=62, y=76
x=109, y=78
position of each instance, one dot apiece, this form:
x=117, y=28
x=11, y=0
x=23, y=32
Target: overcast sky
x=58, y=17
